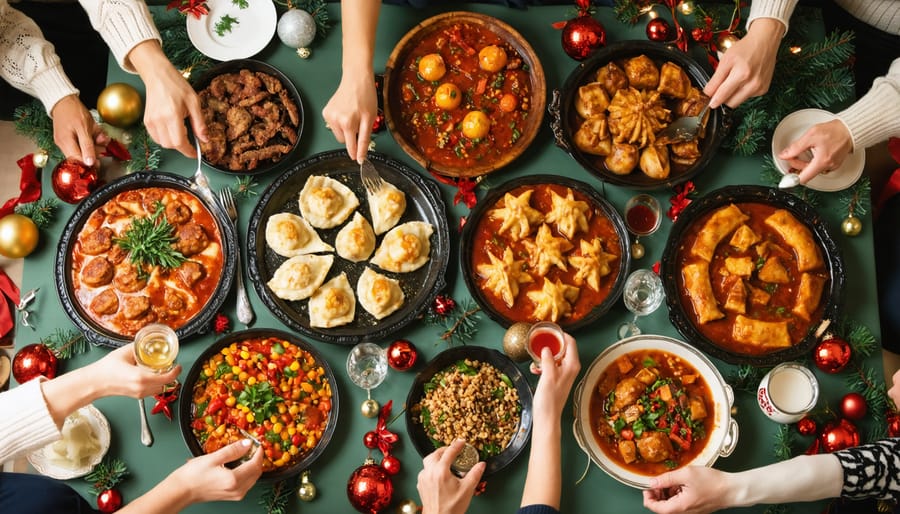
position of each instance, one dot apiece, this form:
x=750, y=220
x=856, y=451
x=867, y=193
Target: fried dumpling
x=289, y=235
x=622, y=159
x=405, y=248
x=593, y=136
x=378, y=295
x=333, y=304
x=386, y=207
x=298, y=277
x=554, y=300
x=744, y=237
x=612, y=77
x=546, y=251
x=592, y=100
x=591, y=263
x=654, y=162
x=636, y=116
x=673, y=81
x=641, y=72
x=325, y=202
x=684, y=153
x=569, y=214
x=356, y=240
x=503, y=276
x=517, y=215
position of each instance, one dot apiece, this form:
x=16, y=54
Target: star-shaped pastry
x=517, y=214
x=592, y=264
x=553, y=301
x=504, y=276
x=569, y=214
x=546, y=251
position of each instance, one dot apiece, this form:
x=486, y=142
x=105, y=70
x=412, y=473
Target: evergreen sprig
x=275, y=498
x=627, y=11
x=861, y=340
x=460, y=325
x=106, y=475
x=149, y=241
x=176, y=43
x=144, y=151
x=785, y=442
x=32, y=121
x=746, y=378
x=245, y=186
x=42, y=212
x=857, y=198
x=66, y=343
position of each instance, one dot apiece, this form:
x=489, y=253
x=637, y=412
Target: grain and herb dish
x=268, y=387
x=470, y=400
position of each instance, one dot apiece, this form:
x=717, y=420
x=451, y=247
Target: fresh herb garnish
x=242, y=4
x=465, y=368
x=261, y=399
x=149, y=241
x=648, y=362
x=225, y=25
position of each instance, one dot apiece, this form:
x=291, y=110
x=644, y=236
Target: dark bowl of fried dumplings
x=253, y=115
x=752, y=275
x=610, y=114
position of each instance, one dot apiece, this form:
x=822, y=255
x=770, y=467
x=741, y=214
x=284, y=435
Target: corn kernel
x=251, y=380
x=295, y=366
x=243, y=376
x=230, y=401
x=245, y=354
x=250, y=417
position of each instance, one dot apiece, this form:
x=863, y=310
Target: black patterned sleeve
x=872, y=470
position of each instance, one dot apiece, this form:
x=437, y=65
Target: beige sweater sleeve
x=123, y=24
x=779, y=9
x=28, y=61
x=26, y=423
x=876, y=116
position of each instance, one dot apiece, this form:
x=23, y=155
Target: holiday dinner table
x=316, y=79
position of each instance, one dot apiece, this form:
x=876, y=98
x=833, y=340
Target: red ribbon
x=893, y=184
x=10, y=294
x=196, y=8
x=29, y=186
x=386, y=438
x=681, y=199
x=117, y=151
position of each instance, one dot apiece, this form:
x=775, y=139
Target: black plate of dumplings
x=423, y=203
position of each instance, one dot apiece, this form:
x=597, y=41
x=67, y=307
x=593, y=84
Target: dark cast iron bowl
x=186, y=406
x=441, y=361
x=564, y=117
x=236, y=66
x=62, y=269
x=671, y=269
x=423, y=203
x=467, y=249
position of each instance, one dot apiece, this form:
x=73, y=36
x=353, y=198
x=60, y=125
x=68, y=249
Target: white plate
x=250, y=34
x=41, y=459
x=792, y=127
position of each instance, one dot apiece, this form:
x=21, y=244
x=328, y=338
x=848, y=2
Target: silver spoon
x=789, y=180
x=146, y=434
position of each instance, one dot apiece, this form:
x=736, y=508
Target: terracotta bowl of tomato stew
x=649, y=404
x=484, y=245
x=271, y=384
x=464, y=94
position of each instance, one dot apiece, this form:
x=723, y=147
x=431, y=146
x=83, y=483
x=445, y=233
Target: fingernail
x=89, y=161
x=246, y=443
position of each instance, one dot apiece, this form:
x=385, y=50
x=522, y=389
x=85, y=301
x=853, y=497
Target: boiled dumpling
x=592, y=100
x=593, y=136
x=325, y=202
x=654, y=162
x=356, y=241
x=289, y=235
x=379, y=295
x=333, y=304
x=298, y=277
x=405, y=248
x=386, y=207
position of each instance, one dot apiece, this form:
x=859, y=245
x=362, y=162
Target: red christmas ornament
x=832, y=355
x=34, y=360
x=854, y=406
x=658, y=30
x=893, y=424
x=73, y=180
x=443, y=305
x=402, y=355
x=838, y=436
x=370, y=488
x=370, y=440
x=390, y=464
x=701, y=35
x=581, y=36
x=806, y=426
x=109, y=500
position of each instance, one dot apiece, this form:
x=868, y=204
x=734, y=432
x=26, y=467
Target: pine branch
x=275, y=499
x=746, y=378
x=627, y=11
x=177, y=45
x=465, y=327
x=857, y=199
x=107, y=474
x=32, y=121
x=784, y=443
x=245, y=187
x=41, y=212
x=861, y=340
x=144, y=152
x=66, y=343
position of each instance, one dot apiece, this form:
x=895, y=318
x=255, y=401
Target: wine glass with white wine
x=155, y=348
x=642, y=295
x=367, y=368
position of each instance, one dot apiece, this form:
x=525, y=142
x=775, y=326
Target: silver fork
x=244, y=310
x=684, y=128
x=370, y=177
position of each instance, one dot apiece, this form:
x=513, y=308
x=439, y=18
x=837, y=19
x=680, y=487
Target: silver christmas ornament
x=297, y=28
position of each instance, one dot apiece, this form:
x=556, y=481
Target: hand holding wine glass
x=643, y=294
x=155, y=348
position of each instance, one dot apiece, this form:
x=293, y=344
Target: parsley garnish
x=149, y=241
x=225, y=25
x=261, y=399
x=242, y=4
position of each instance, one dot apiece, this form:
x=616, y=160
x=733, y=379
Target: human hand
x=894, y=391
x=690, y=490
x=75, y=132
x=351, y=111
x=210, y=480
x=829, y=143
x=440, y=490
x=746, y=68
x=119, y=374
x=556, y=381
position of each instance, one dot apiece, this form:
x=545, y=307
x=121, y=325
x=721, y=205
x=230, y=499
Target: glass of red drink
x=642, y=215
x=545, y=334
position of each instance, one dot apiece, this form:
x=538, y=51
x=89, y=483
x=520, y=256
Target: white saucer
x=251, y=33
x=792, y=127
x=42, y=461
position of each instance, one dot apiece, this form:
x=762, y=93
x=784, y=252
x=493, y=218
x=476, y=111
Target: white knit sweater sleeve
x=26, y=423
x=123, y=24
x=28, y=61
x=779, y=9
x=876, y=116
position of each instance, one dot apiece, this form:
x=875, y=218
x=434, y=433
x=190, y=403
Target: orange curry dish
x=465, y=94
x=146, y=255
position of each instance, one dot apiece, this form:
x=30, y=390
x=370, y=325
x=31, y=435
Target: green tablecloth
x=316, y=80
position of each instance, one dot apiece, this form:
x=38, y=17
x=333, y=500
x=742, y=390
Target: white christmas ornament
x=297, y=29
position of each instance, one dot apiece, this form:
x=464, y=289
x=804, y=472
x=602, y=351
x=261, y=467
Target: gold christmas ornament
x=637, y=250
x=120, y=105
x=18, y=236
x=725, y=41
x=408, y=506
x=307, y=490
x=39, y=158
x=851, y=226
x=370, y=408
x=515, y=340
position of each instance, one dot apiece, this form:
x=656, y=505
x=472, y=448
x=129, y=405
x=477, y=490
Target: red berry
x=370, y=440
